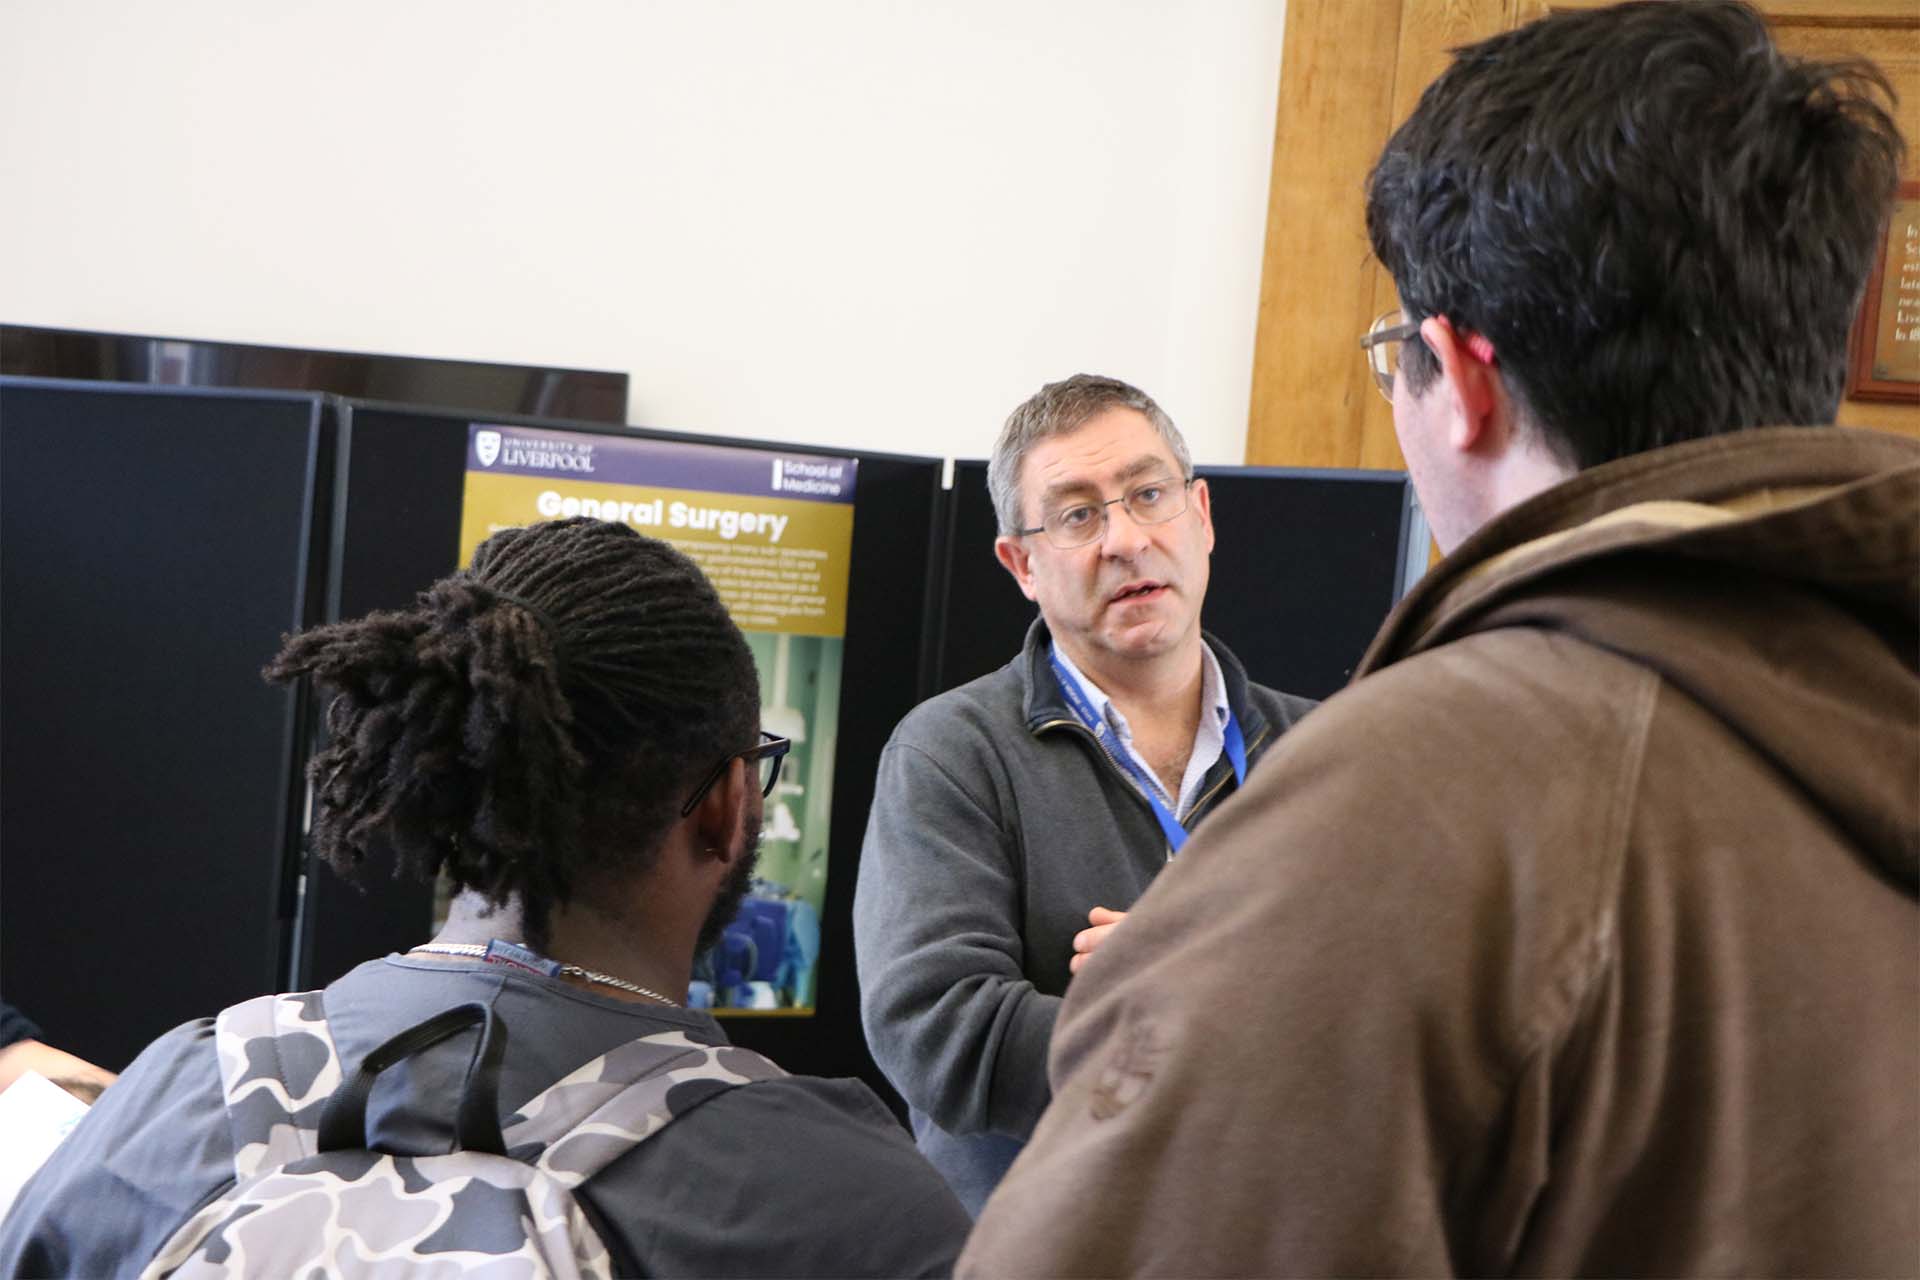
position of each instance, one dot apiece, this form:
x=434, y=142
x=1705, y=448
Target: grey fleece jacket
x=998, y=821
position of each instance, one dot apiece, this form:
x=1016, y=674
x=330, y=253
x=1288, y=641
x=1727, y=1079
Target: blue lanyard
x=1236, y=747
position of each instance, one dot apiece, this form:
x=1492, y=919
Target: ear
x=1018, y=561
x=720, y=819
x=1467, y=369
x=1203, y=504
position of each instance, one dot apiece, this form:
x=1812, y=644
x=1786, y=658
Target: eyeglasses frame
x=773, y=746
x=1377, y=337
x=1186, y=487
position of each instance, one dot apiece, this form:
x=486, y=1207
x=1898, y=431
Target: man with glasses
x=1016, y=818
x=1578, y=936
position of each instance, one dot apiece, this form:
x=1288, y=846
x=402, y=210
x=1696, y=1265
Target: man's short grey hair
x=1058, y=409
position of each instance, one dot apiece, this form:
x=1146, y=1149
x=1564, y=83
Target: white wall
x=840, y=222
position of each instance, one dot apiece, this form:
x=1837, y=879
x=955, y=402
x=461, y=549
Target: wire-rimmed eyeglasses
x=1382, y=345
x=767, y=756
x=1078, y=523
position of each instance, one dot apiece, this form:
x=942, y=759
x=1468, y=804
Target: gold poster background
x=795, y=587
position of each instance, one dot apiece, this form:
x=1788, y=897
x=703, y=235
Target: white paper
x=35, y=1114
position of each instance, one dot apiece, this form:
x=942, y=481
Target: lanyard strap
x=1236, y=749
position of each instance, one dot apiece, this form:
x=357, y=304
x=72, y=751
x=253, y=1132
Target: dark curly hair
x=1662, y=223
x=532, y=721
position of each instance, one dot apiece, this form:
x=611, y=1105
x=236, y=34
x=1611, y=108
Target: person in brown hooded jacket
x=1579, y=935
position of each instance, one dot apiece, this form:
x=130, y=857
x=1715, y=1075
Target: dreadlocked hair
x=531, y=720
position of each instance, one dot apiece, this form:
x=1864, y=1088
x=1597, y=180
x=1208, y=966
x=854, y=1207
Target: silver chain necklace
x=478, y=952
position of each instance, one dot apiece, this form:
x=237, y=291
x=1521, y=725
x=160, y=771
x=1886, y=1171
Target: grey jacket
x=998, y=821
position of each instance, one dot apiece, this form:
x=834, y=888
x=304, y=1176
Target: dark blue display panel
x=156, y=547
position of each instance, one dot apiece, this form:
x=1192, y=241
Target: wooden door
x=1351, y=70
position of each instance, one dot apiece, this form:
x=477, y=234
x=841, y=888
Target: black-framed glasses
x=1382, y=345
x=767, y=757
x=1078, y=523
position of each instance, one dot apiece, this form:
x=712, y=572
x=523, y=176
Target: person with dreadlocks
x=569, y=731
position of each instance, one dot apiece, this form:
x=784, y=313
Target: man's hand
x=1085, y=942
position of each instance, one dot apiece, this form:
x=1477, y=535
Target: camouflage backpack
x=310, y=1199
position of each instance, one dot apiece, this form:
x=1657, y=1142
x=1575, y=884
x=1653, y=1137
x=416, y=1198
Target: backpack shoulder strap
x=278, y=1067
x=580, y=1124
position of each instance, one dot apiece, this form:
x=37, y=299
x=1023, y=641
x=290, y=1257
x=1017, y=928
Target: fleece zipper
x=1133, y=788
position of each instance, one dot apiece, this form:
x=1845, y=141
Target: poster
x=774, y=531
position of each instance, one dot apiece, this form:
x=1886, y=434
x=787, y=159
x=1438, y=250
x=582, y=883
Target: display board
x=158, y=543
x=773, y=531
x=1306, y=565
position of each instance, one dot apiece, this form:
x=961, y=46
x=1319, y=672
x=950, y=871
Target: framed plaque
x=1885, y=362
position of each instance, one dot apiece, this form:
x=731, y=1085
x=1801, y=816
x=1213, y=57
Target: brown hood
x=1827, y=518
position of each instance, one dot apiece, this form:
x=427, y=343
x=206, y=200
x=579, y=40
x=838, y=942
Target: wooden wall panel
x=1310, y=387
x=1350, y=73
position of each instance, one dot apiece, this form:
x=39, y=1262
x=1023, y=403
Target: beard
x=726, y=903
